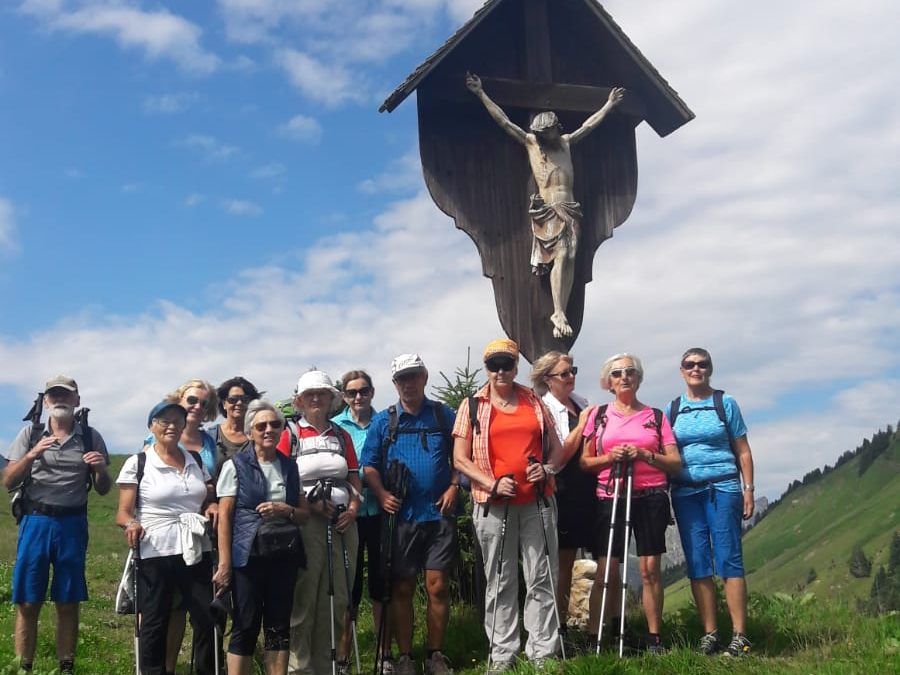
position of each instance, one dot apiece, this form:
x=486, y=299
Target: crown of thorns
x=544, y=121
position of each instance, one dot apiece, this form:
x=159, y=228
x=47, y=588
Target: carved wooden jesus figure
x=555, y=215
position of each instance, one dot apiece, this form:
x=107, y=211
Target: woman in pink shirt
x=628, y=431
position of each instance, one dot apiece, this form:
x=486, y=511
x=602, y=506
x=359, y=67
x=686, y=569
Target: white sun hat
x=316, y=380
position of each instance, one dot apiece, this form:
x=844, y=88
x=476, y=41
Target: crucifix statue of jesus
x=555, y=215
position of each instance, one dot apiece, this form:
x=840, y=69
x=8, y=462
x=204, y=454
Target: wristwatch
x=651, y=460
x=748, y=487
x=549, y=470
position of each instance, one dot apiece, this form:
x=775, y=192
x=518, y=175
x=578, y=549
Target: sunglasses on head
x=496, y=364
x=243, y=398
x=274, y=425
x=353, y=393
x=570, y=372
x=631, y=371
x=690, y=365
x=194, y=400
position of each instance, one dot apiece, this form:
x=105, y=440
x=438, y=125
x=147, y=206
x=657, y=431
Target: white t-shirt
x=227, y=485
x=165, y=493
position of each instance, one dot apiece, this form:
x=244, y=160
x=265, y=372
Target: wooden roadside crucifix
x=549, y=206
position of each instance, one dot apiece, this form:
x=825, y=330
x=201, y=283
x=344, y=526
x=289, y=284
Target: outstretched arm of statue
x=615, y=97
x=473, y=82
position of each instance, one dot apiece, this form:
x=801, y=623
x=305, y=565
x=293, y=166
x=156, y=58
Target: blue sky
x=202, y=189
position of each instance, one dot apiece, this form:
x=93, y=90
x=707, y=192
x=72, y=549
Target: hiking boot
x=387, y=666
x=500, y=667
x=739, y=646
x=543, y=662
x=709, y=643
x=404, y=665
x=343, y=667
x=655, y=645
x=438, y=664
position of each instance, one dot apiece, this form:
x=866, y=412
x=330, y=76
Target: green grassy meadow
x=816, y=527
x=806, y=632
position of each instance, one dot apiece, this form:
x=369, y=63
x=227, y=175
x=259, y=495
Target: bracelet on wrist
x=748, y=487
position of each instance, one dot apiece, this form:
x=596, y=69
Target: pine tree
x=860, y=565
x=894, y=558
x=466, y=384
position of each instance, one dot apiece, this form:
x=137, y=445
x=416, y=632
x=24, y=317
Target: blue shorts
x=710, y=530
x=44, y=540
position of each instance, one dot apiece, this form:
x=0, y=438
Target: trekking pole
x=135, y=572
x=616, y=473
x=394, y=482
x=216, y=663
x=329, y=540
x=541, y=502
x=629, y=475
x=386, y=596
x=351, y=609
x=487, y=506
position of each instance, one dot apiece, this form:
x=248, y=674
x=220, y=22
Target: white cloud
x=301, y=128
x=241, y=207
x=764, y=230
x=158, y=34
x=264, y=325
x=273, y=170
x=330, y=84
x=129, y=188
x=169, y=104
x=402, y=175
x=210, y=147
x=194, y=199
x=8, y=230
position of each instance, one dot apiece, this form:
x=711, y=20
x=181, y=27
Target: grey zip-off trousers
x=523, y=536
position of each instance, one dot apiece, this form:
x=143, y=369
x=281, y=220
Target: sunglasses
x=571, y=372
x=165, y=424
x=274, y=425
x=353, y=393
x=631, y=371
x=690, y=365
x=194, y=400
x=234, y=400
x=496, y=365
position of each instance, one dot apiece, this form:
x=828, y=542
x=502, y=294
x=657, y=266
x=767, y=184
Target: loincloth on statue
x=552, y=225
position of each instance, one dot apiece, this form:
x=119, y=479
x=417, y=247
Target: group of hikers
x=271, y=520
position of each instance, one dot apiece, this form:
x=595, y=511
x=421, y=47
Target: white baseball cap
x=407, y=363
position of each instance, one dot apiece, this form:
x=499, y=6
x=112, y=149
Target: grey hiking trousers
x=523, y=537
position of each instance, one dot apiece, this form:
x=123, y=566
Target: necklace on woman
x=624, y=407
x=501, y=402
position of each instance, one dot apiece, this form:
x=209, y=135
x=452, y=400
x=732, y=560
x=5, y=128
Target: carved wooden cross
x=481, y=177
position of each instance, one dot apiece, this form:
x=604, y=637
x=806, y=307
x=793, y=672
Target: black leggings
x=263, y=593
x=369, y=528
x=158, y=580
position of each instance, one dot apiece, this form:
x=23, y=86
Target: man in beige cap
x=56, y=466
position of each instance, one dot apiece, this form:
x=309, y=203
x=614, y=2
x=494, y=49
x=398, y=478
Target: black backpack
x=718, y=405
x=600, y=418
x=442, y=427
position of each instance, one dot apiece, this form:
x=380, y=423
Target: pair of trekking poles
x=616, y=477
x=323, y=490
x=541, y=502
x=396, y=481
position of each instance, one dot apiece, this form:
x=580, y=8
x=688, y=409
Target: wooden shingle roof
x=676, y=110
